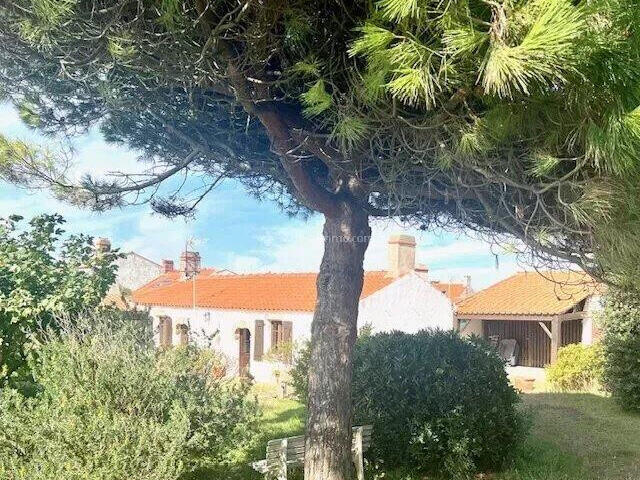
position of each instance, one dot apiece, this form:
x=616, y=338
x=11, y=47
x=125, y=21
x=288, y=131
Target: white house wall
x=409, y=304
x=205, y=323
x=593, y=306
x=471, y=327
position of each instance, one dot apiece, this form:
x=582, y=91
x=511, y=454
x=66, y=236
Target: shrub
x=110, y=406
x=621, y=344
x=299, y=372
x=578, y=367
x=439, y=403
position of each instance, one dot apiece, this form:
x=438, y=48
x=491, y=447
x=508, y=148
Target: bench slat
x=282, y=452
x=300, y=449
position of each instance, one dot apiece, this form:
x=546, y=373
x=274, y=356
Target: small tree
x=510, y=118
x=43, y=275
x=622, y=347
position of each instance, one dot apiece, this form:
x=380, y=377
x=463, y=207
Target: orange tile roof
x=454, y=291
x=531, y=293
x=259, y=292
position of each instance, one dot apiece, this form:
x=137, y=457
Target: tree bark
x=333, y=335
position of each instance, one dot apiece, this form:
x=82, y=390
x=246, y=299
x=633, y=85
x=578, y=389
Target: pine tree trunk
x=333, y=335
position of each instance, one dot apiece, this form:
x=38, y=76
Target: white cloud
x=9, y=117
x=90, y=153
x=299, y=247
x=99, y=159
x=158, y=237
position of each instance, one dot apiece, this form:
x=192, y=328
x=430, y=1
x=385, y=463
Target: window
x=258, y=344
x=165, y=331
x=183, y=334
x=281, y=339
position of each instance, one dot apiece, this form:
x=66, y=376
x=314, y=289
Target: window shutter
x=166, y=333
x=258, y=342
x=183, y=334
x=287, y=332
x=287, y=338
x=276, y=332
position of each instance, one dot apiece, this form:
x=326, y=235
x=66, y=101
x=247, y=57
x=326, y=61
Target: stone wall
x=135, y=270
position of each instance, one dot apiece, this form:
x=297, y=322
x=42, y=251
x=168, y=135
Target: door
x=244, y=351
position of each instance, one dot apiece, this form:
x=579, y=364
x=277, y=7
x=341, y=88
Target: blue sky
x=232, y=229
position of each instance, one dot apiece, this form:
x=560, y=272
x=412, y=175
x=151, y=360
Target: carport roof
x=530, y=293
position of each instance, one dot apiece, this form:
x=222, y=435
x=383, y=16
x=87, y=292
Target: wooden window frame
x=281, y=332
x=165, y=332
x=258, y=341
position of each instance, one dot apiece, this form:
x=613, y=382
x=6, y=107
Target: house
x=250, y=318
x=133, y=272
x=542, y=311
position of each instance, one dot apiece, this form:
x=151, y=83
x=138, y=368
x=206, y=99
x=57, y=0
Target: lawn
x=578, y=436
x=573, y=437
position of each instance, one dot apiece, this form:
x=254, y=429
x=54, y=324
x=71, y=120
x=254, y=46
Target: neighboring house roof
x=115, y=299
x=454, y=291
x=258, y=292
x=531, y=293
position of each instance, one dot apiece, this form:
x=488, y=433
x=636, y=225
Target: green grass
x=280, y=418
x=582, y=436
x=573, y=437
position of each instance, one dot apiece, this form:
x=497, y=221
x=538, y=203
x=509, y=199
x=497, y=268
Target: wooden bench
x=290, y=451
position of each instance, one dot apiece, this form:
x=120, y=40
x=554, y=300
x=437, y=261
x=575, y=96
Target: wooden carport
x=542, y=313
x=539, y=337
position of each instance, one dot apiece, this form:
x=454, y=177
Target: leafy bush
x=622, y=347
x=43, y=275
x=299, y=373
x=578, y=367
x=112, y=407
x=439, y=403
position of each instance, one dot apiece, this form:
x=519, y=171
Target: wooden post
x=357, y=453
x=556, y=337
x=281, y=473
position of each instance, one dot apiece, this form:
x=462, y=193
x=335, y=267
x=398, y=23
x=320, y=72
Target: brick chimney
x=102, y=245
x=189, y=263
x=167, y=266
x=401, y=255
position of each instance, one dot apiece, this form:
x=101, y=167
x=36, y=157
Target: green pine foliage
x=350, y=131
x=547, y=50
x=316, y=100
x=535, y=100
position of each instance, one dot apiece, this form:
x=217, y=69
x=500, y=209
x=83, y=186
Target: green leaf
x=397, y=10
x=350, y=131
x=461, y=41
x=310, y=68
x=548, y=51
x=413, y=86
x=544, y=164
x=373, y=40
x=316, y=100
